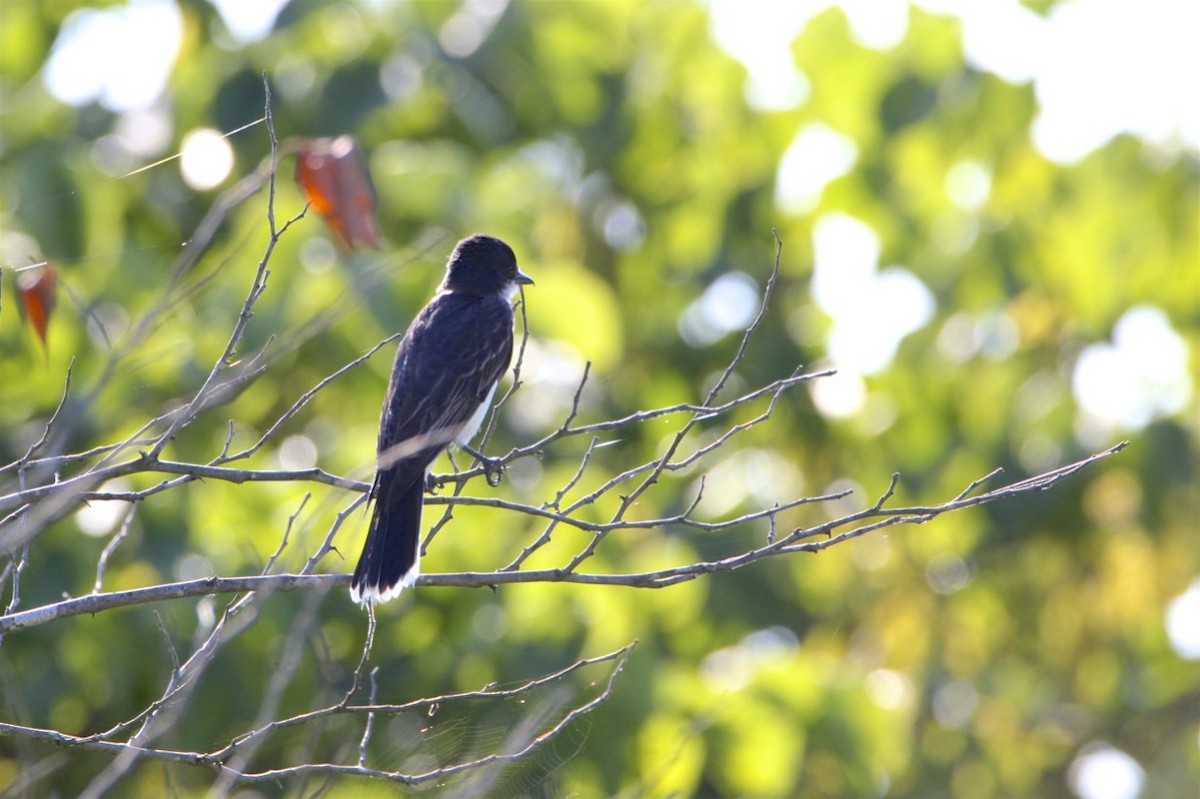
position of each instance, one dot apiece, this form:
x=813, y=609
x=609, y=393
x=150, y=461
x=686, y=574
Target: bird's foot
x=493, y=468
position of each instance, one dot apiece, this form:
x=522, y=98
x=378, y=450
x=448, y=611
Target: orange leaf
x=334, y=179
x=36, y=287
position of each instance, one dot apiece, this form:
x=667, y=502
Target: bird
x=444, y=376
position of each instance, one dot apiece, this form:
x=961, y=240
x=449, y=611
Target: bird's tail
x=390, y=557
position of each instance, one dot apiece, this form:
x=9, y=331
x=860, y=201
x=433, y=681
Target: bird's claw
x=493, y=470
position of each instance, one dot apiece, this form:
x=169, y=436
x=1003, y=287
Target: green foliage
x=834, y=675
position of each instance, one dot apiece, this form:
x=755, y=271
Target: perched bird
x=443, y=379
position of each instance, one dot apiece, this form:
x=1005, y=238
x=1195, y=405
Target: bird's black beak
x=523, y=279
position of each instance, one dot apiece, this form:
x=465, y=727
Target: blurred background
x=989, y=215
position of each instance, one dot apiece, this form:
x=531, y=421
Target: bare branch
x=41, y=442
x=876, y=516
x=222, y=760
x=110, y=547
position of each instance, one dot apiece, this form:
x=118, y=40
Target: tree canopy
x=984, y=306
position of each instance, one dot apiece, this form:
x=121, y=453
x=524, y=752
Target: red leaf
x=36, y=287
x=334, y=179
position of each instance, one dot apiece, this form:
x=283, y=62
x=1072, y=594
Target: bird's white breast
x=472, y=426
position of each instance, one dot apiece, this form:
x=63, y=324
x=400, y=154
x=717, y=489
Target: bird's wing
x=446, y=366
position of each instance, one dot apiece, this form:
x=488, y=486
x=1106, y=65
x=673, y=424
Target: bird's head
x=483, y=265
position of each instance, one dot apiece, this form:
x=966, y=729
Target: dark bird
x=445, y=373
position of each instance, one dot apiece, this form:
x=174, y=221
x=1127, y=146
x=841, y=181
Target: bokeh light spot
x=249, y=20
x=1183, y=622
x=815, y=157
x=1141, y=376
x=207, y=159
x=120, y=56
x=1103, y=772
x=727, y=305
x=872, y=311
